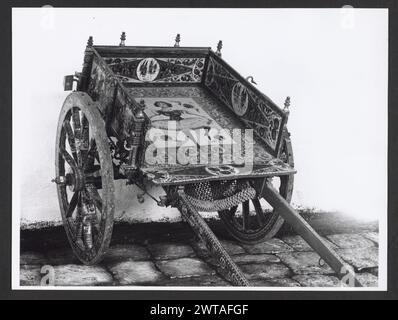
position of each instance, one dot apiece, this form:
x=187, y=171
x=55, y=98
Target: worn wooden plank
x=132, y=51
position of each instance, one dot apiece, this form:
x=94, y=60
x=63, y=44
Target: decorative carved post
x=123, y=39
x=178, y=39
x=90, y=41
x=219, y=47
x=87, y=61
x=287, y=105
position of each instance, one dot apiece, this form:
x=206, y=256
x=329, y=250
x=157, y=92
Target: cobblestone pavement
x=281, y=262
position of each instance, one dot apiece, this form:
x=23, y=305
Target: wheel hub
x=75, y=179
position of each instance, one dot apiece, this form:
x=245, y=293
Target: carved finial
x=287, y=105
x=122, y=39
x=90, y=41
x=219, y=47
x=178, y=39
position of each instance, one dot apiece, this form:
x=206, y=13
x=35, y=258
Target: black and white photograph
x=199, y=149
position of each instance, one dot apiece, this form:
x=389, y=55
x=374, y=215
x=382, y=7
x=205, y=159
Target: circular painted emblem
x=239, y=99
x=148, y=69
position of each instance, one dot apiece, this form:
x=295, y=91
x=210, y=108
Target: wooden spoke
x=78, y=134
x=96, y=225
x=79, y=218
x=89, y=162
x=76, y=122
x=72, y=204
x=259, y=211
x=85, y=132
x=88, y=235
x=93, y=169
x=245, y=215
x=88, y=213
x=94, y=196
x=67, y=157
x=79, y=231
x=85, y=138
x=71, y=138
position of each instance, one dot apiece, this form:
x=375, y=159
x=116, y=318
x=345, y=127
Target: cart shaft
x=342, y=269
x=204, y=233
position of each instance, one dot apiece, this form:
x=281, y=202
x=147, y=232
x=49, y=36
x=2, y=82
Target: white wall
x=332, y=63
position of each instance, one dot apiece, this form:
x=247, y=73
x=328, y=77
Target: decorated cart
x=181, y=119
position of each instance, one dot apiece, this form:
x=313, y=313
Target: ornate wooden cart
x=167, y=116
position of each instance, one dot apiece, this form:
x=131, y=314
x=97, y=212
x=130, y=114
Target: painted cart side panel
x=180, y=70
x=102, y=86
x=255, y=109
x=120, y=111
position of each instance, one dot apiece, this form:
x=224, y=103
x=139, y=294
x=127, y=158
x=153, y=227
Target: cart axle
x=76, y=180
x=59, y=180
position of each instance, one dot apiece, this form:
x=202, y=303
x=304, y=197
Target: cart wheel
x=258, y=221
x=84, y=177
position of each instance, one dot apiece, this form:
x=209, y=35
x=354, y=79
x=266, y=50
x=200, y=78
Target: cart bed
x=192, y=88
x=264, y=164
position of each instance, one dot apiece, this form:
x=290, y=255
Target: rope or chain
x=222, y=204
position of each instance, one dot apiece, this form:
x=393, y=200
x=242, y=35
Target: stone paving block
x=166, y=251
x=350, y=241
x=269, y=246
x=367, y=279
x=79, y=275
x=360, y=258
x=318, y=280
x=130, y=252
x=135, y=273
x=61, y=257
x=372, y=236
x=32, y=258
x=29, y=276
x=284, y=282
x=232, y=248
x=203, y=281
x=213, y=262
x=255, y=258
x=299, y=244
x=304, y=263
x=184, y=267
x=246, y=259
x=200, y=249
x=265, y=271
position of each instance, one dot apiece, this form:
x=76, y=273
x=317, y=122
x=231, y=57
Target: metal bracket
x=251, y=79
